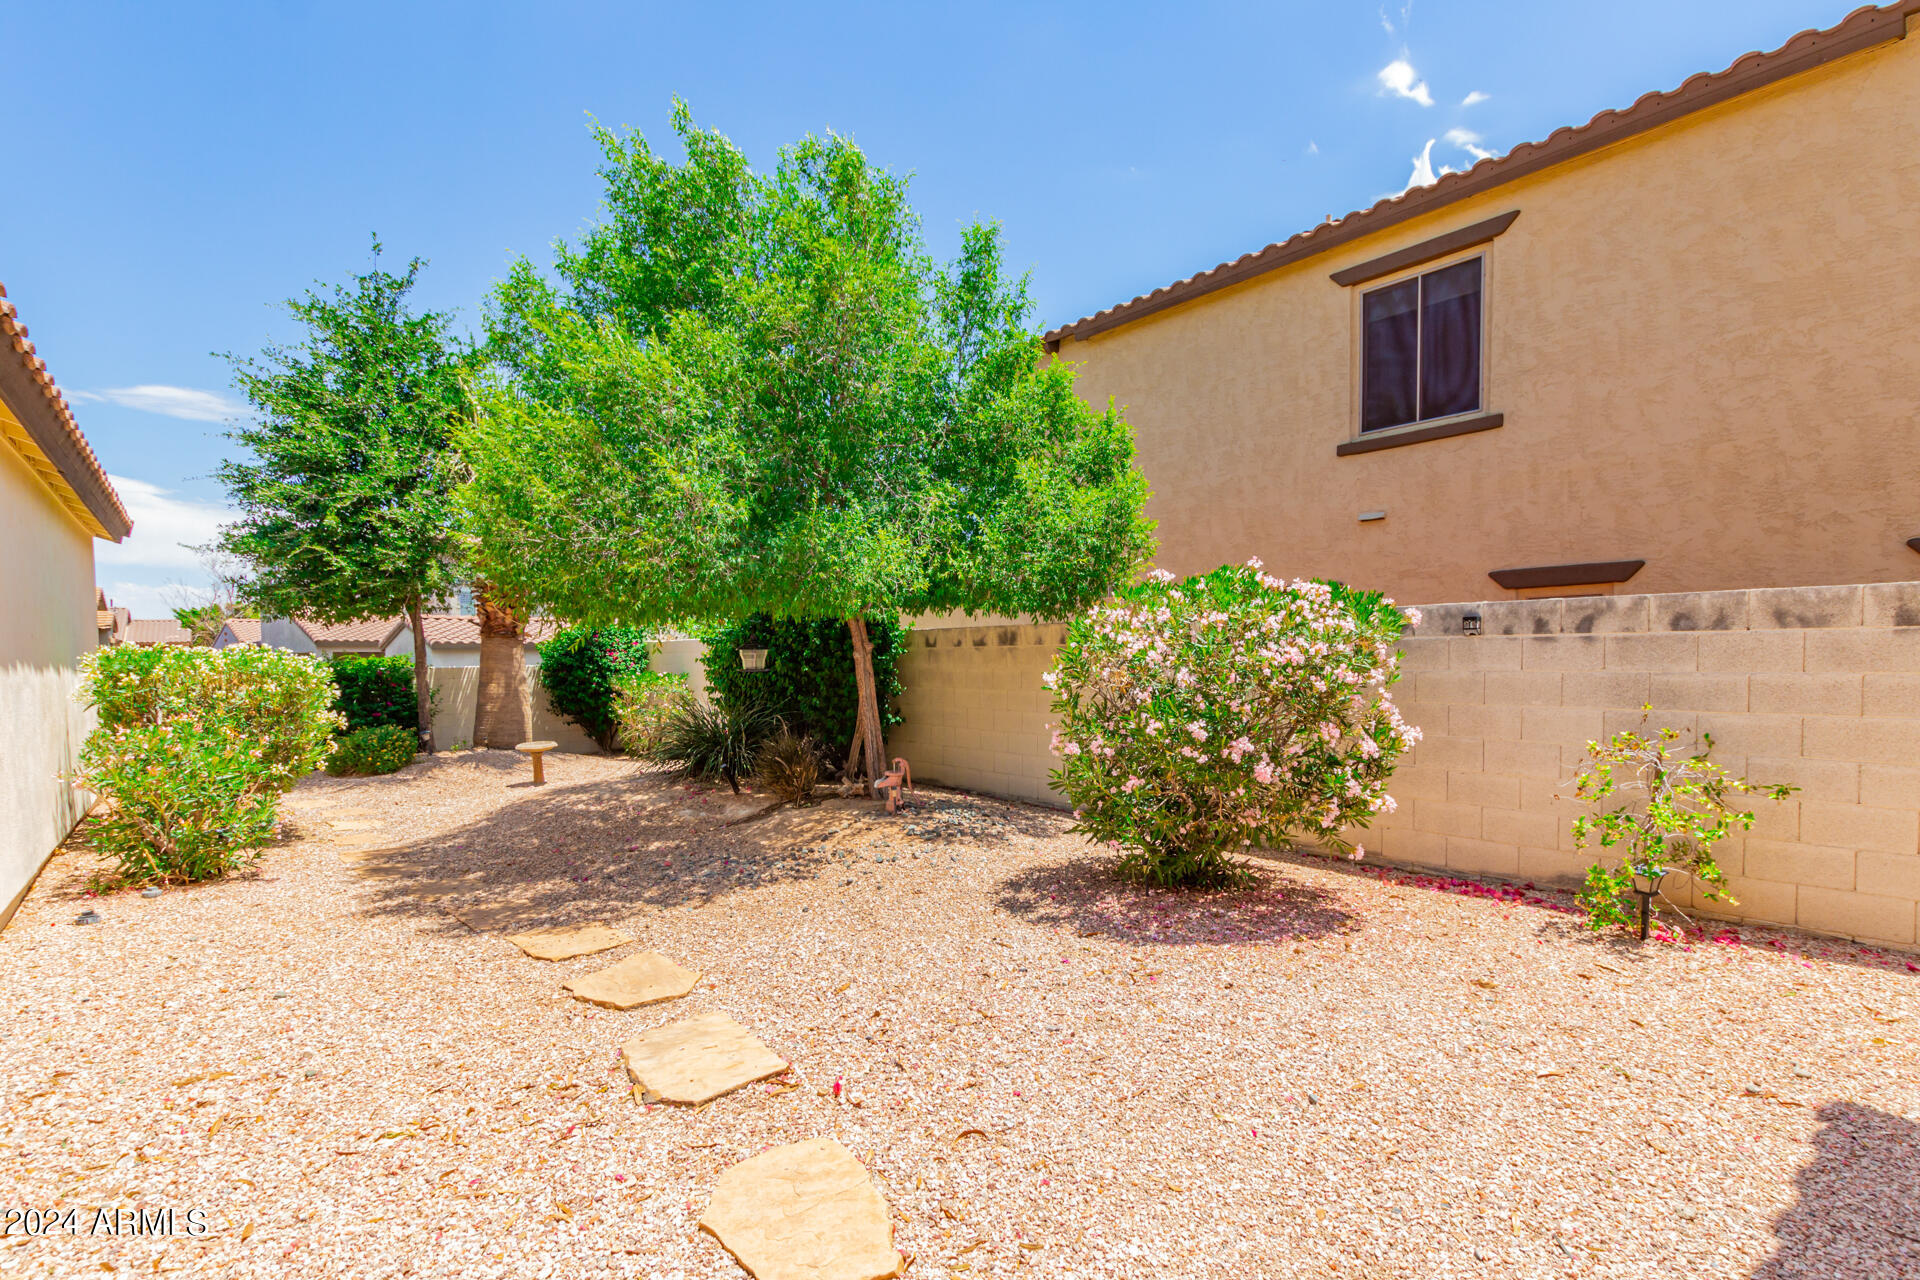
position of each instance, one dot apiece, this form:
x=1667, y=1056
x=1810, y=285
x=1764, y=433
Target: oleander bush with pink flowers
x=1200, y=718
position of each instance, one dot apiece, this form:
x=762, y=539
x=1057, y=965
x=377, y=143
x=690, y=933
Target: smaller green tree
x=583, y=669
x=1666, y=814
x=346, y=505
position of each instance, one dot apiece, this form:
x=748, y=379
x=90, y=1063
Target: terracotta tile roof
x=103, y=619
x=360, y=631
x=1862, y=29
x=245, y=630
x=154, y=631
x=52, y=438
x=456, y=631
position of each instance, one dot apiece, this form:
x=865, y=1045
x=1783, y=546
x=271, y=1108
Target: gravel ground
x=1346, y=1071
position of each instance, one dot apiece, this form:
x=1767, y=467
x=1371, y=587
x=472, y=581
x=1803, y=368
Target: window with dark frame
x=1420, y=347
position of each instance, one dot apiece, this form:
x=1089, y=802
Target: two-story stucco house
x=1675, y=348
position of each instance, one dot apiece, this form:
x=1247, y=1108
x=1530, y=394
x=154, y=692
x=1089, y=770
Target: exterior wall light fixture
x=1470, y=624
x=753, y=659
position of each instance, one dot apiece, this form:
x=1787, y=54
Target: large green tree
x=346, y=504
x=757, y=393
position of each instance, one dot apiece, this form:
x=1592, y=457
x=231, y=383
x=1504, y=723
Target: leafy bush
x=642, y=702
x=809, y=681
x=376, y=690
x=1677, y=812
x=709, y=743
x=788, y=765
x=380, y=748
x=582, y=670
x=193, y=749
x=1200, y=717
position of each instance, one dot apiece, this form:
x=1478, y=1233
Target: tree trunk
x=500, y=707
x=876, y=747
x=422, y=675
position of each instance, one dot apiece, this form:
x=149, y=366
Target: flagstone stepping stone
x=566, y=942
x=637, y=980
x=698, y=1058
x=805, y=1211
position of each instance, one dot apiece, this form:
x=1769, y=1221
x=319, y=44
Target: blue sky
x=179, y=169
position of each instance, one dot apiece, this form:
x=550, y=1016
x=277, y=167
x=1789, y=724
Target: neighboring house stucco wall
x=285, y=633
x=1701, y=339
x=440, y=655
x=46, y=624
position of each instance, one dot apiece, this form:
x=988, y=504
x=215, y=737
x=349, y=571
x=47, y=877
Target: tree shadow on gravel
x=1087, y=896
x=1853, y=1216
x=571, y=853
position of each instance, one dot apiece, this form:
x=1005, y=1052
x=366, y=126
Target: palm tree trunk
x=422, y=675
x=500, y=707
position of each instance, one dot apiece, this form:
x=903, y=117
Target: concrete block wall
x=975, y=714
x=1818, y=687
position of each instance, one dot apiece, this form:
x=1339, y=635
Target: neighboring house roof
x=1862, y=29
x=49, y=439
x=244, y=630
x=154, y=631
x=462, y=631
x=371, y=631
x=103, y=619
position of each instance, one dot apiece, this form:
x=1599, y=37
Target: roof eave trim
x=31, y=408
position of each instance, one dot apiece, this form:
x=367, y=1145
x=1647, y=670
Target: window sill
x=1419, y=433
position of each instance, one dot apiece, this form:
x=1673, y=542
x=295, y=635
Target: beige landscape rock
x=567, y=941
x=698, y=1058
x=637, y=980
x=805, y=1211
x=485, y=917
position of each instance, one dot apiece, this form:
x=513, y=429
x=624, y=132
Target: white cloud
x=1474, y=99
x=166, y=527
x=1468, y=141
x=1424, y=174
x=1402, y=81
x=174, y=402
x=1313, y=148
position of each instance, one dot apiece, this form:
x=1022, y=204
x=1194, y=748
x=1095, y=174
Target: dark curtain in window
x=1390, y=345
x=1450, y=340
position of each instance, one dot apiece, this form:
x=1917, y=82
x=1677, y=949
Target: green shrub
x=710, y=743
x=376, y=690
x=788, y=766
x=193, y=749
x=809, y=681
x=642, y=702
x=381, y=748
x=1200, y=717
x=581, y=670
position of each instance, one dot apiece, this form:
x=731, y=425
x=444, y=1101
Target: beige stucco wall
x=1702, y=340
x=46, y=625
x=1817, y=687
